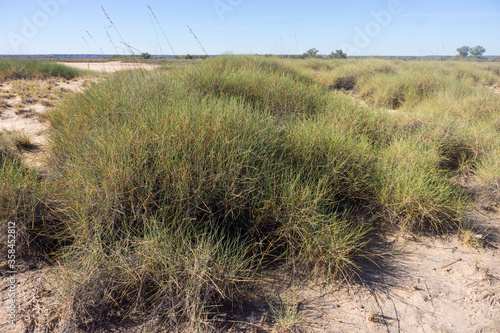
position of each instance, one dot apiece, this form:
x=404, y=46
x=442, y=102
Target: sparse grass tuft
x=12, y=140
x=469, y=237
x=23, y=141
x=286, y=315
x=3, y=105
x=36, y=91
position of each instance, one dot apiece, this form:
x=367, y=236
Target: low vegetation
x=21, y=193
x=19, y=68
x=171, y=190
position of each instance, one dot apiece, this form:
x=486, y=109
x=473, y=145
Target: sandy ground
x=109, y=67
x=25, y=116
x=495, y=89
x=429, y=285
x=418, y=284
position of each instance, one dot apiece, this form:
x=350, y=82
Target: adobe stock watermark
x=223, y=6
x=372, y=29
x=31, y=26
x=11, y=273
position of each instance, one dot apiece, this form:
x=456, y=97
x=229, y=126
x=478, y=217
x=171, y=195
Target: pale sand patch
x=495, y=89
x=75, y=85
x=429, y=285
x=24, y=118
x=109, y=67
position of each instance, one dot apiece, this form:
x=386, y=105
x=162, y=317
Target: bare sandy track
x=109, y=67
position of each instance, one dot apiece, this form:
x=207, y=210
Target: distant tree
x=188, y=56
x=477, y=51
x=463, y=51
x=311, y=53
x=339, y=54
x=145, y=55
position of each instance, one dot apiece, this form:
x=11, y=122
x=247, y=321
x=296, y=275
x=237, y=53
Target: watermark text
x=11, y=273
x=32, y=25
x=363, y=37
x=223, y=6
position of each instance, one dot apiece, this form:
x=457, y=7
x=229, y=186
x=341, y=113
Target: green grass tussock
x=413, y=188
x=445, y=102
x=265, y=83
x=394, y=91
x=331, y=73
x=143, y=147
x=174, y=275
x=14, y=69
x=489, y=168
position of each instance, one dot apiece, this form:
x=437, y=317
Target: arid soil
x=429, y=284
x=109, y=67
x=416, y=283
x=22, y=106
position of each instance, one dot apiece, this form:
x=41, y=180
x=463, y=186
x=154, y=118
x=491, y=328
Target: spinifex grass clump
x=180, y=185
x=151, y=160
x=413, y=189
x=263, y=83
x=452, y=104
x=343, y=73
x=13, y=68
x=394, y=91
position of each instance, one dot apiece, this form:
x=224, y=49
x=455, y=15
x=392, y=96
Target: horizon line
x=215, y=55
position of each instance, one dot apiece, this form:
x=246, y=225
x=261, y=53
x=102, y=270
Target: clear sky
x=359, y=27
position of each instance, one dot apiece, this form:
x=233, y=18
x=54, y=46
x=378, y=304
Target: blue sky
x=359, y=27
